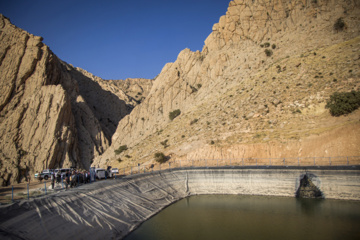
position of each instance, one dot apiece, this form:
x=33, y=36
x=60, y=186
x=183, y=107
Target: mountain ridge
x=51, y=114
x=223, y=63
x=258, y=88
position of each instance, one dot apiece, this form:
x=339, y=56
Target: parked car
x=45, y=174
x=115, y=171
x=100, y=173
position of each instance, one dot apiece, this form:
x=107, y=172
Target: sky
x=117, y=39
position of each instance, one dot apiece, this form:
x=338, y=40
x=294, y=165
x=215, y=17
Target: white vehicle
x=100, y=173
x=46, y=174
x=115, y=171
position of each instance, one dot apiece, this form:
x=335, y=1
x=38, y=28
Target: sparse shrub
x=174, y=114
x=194, y=121
x=273, y=46
x=268, y=52
x=160, y=157
x=339, y=24
x=119, y=160
x=212, y=142
x=199, y=85
x=266, y=44
x=127, y=156
x=343, y=103
x=193, y=89
x=121, y=149
x=22, y=152
x=258, y=135
x=182, y=136
x=164, y=143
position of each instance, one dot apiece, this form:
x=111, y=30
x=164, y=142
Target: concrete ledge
x=113, y=208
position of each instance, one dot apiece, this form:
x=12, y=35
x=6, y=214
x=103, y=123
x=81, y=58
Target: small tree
x=121, y=149
x=174, y=114
x=268, y=52
x=160, y=157
x=343, y=103
x=339, y=24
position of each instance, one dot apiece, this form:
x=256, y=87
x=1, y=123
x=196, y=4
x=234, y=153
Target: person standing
x=67, y=179
x=52, y=180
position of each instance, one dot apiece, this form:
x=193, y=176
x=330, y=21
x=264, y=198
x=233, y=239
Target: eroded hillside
x=52, y=114
x=257, y=89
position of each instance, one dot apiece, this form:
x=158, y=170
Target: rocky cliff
x=257, y=89
x=52, y=114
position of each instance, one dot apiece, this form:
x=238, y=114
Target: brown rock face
x=258, y=88
x=37, y=126
x=51, y=114
x=260, y=82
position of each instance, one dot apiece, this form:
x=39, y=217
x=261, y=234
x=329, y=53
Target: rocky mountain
x=52, y=114
x=258, y=88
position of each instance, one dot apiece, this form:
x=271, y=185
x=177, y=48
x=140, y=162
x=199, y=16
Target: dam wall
x=111, y=209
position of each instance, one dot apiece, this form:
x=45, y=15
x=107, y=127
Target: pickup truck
x=46, y=174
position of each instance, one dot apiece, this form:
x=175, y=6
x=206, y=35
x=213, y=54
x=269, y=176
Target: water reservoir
x=253, y=217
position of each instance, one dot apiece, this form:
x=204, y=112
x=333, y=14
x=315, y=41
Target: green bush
x=339, y=24
x=194, y=121
x=164, y=143
x=174, y=114
x=160, y=157
x=343, y=103
x=193, y=89
x=268, y=52
x=121, y=149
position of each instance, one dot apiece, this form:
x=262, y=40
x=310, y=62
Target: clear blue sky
x=117, y=39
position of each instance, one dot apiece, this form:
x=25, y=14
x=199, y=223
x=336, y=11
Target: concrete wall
x=111, y=209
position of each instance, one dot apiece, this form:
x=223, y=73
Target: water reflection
x=253, y=217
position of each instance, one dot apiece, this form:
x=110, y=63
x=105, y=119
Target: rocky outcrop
x=37, y=126
x=267, y=67
x=258, y=87
x=52, y=114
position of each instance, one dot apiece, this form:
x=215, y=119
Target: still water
x=253, y=217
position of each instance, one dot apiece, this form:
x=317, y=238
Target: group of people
x=70, y=178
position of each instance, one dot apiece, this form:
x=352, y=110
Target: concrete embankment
x=111, y=209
